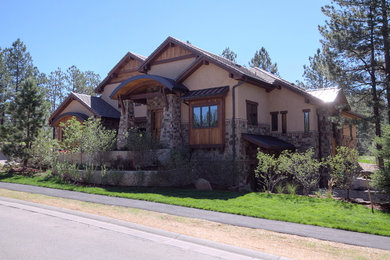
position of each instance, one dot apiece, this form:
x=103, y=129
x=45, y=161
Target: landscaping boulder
x=202, y=184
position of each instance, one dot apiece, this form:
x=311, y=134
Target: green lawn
x=367, y=159
x=293, y=208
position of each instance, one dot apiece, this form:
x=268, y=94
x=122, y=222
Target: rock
x=202, y=184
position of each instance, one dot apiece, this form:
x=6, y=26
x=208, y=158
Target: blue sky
x=95, y=35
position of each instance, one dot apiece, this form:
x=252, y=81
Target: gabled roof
x=96, y=105
x=237, y=71
x=117, y=67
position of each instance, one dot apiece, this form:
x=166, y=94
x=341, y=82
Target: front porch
x=162, y=99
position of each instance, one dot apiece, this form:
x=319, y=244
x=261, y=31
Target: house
x=185, y=96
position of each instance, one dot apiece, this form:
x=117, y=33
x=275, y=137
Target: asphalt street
x=33, y=231
x=329, y=234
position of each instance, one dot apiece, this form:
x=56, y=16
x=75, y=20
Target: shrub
x=381, y=178
x=44, y=149
x=291, y=188
x=304, y=167
x=89, y=137
x=343, y=168
x=270, y=170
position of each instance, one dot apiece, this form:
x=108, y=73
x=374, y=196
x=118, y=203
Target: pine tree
x=229, y=54
x=262, y=60
x=28, y=112
x=81, y=82
x=55, y=88
x=19, y=63
x=4, y=82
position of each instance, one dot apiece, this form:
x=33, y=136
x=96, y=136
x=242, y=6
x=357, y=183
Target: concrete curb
x=211, y=244
x=328, y=234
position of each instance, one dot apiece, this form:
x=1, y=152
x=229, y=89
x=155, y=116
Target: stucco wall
x=209, y=76
x=255, y=94
x=75, y=106
x=108, y=89
x=286, y=100
x=171, y=69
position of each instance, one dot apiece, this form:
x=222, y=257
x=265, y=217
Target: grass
x=367, y=159
x=292, y=208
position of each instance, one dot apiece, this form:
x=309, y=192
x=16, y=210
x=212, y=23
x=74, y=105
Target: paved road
x=32, y=231
x=329, y=234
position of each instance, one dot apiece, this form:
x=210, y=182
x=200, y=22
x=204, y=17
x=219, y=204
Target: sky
x=95, y=35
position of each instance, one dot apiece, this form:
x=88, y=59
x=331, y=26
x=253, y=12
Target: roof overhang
x=80, y=116
x=268, y=142
x=129, y=85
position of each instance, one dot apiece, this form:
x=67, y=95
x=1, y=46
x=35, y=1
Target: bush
x=304, y=167
x=270, y=170
x=89, y=137
x=343, y=168
x=44, y=149
x=381, y=178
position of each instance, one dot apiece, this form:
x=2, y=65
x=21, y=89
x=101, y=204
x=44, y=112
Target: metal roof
x=207, y=92
x=268, y=142
x=327, y=95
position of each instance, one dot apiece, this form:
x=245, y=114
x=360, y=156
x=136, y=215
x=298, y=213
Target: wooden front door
x=156, y=122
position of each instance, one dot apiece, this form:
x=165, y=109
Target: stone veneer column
x=325, y=132
x=171, y=123
x=126, y=122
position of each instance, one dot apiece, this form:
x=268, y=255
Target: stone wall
x=325, y=131
x=126, y=122
x=171, y=126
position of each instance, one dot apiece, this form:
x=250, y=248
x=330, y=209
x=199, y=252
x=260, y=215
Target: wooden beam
x=187, y=56
x=143, y=96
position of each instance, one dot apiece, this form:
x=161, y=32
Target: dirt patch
x=255, y=239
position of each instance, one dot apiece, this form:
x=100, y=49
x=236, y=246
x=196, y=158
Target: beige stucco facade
x=172, y=69
x=76, y=107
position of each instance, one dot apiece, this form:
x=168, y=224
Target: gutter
x=234, y=125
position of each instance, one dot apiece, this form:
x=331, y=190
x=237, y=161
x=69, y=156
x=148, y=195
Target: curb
x=129, y=225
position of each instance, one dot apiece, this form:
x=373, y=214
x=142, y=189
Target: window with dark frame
x=251, y=112
x=284, y=121
x=274, y=121
x=205, y=116
x=350, y=131
x=306, y=120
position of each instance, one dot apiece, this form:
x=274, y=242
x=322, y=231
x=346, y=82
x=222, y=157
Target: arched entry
x=161, y=95
x=56, y=123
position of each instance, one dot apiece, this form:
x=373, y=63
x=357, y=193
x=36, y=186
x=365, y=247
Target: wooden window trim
x=252, y=119
x=306, y=129
x=277, y=123
x=284, y=122
x=206, y=104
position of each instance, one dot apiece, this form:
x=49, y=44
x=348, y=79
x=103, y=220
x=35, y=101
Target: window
x=306, y=120
x=350, y=131
x=205, y=116
x=274, y=121
x=251, y=112
x=284, y=121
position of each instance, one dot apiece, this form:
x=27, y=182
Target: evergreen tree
x=320, y=73
x=350, y=34
x=262, y=60
x=4, y=82
x=229, y=54
x=55, y=88
x=19, y=64
x=28, y=111
x=81, y=82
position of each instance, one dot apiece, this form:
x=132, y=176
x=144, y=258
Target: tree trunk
x=374, y=91
x=386, y=51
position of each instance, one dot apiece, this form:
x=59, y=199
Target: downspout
x=234, y=126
